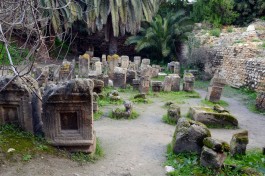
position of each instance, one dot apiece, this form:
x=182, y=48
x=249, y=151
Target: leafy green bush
x=167, y=120
x=229, y=29
x=215, y=32
x=188, y=164
x=216, y=12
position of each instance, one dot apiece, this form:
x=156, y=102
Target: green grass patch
x=159, y=78
x=81, y=157
x=239, y=41
x=176, y=97
x=229, y=29
x=120, y=114
x=98, y=114
x=25, y=146
x=203, y=85
x=188, y=164
x=215, y=32
x=263, y=45
x=17, y=54
x=211, y=104
x=168, y=120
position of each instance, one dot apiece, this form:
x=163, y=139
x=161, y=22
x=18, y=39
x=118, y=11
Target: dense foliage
x=163, y=37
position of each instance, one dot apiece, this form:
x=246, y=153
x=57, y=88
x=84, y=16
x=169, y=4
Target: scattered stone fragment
x=188, y=136
x=173, y=112
x=156, y=86
x=239, y=143
x=212, y=118
x=212, y=159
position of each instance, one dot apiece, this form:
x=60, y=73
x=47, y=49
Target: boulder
x=188, y=136
x=216, y=145
x=239, y=143
x=212, y=118
x=211, y=159
x=173, y=112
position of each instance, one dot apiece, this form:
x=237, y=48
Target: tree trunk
x=113, y=44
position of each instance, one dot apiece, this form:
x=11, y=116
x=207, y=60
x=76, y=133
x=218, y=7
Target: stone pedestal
x=68, y=115
x=137, y=61
x=119, y=77
x=215, y=89
x=20, y=103
x=238, y=144
x=157, y=86
x=175, y=82
x=167, y=84
x=125, y=61
x=144, y=84
x=188, y=84
x=131, y=75
x=136, y=84
x=84, y=63
x=66, y=71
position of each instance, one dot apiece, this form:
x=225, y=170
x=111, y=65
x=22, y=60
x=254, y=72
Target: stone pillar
x=119, y=78
x=20, y=103
x=137, y=61
x=144, y=84
x=68, y=115
x=215, y=89
x=188, y=84
x=167, y=84
x=145, y=62
x=157, y=86
x=131, y=75
x=95, y=102
x=136, y=84
x=125, y=61
x=65, y=71
x=98, y=68
x=84, y=63
x=175, y=82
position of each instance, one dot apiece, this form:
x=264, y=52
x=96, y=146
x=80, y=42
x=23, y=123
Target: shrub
x=215, y=32
x=229, y=29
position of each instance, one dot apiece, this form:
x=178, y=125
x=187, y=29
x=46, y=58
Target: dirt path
x=136, y=147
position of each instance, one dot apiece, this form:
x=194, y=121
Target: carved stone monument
x=68, y=115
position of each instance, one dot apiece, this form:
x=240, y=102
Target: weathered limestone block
x=157, y=86
x=188, y=136
x=167, y=84
x=144, y=84
x=66, y=71
x=145, y=63
x=120, y=113
x=95, y=102
x=20, y=103
x=260, y=101
x=239, y=143
x=68, y=115
x=125, y=62
x=212, y=159
x=216, y=87
x=84, y=65
x=174, y=112
x=98, y=86
x=212, y=118
x=130, y=76
x=137, y=61
x=106, y=80
x=98, y=66
x=188, y=84
x=173, y=67
x=136, y=84
x=119, y=78
x=175, y=79
x=216, y=145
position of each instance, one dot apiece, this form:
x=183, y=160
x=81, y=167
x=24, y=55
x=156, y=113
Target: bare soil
x=136, y=147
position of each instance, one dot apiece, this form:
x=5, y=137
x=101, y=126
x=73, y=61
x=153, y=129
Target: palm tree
x=164, y=36
x=118, y=17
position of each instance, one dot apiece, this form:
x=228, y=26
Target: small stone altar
x=68, y=115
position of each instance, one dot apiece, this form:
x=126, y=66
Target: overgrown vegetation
x=18, y=145
x=168, y=120
x=98, y=114
x=120, y=114
x=83, y=158
x=176, y=97
x=247, y=96
x=211, y=104
x=17, y=54
x=215, y=32
x=188, y=164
